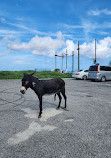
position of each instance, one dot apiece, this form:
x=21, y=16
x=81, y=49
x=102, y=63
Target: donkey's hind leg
x=40, y=106
x=60, y=98
x=64, y=95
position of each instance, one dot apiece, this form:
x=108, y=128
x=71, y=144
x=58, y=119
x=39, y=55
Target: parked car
x=100, y=73
x=82, y=74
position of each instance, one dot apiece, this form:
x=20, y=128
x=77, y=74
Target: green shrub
x=41, y=74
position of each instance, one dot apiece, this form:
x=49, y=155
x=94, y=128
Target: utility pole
x=72, y=62
x=55, y=60
x=78, y=56
x=66, y=60
x=62, y=61
x=95, y=53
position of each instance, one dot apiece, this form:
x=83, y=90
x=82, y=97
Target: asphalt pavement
x=83, y=130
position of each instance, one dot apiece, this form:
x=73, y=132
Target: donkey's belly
x=50, y=91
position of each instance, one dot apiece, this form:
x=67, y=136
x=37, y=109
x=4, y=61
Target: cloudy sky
x=31, y=31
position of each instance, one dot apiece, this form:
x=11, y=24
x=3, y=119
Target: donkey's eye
x=26, y=82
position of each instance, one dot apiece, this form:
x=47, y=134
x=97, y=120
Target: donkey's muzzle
x=22, y=90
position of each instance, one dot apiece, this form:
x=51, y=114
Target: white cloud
x=70, y=46
x=88, y=27
x=7, y=38
x=40, y=45
x=22, y=60
x=5, y=32
x=22, y=27
x=94, y=28
x=2, y=54
x=99, y=12
x=102, y=32
x=72, y=26
x=2, y=20
x=103, y=48
x=46, y=46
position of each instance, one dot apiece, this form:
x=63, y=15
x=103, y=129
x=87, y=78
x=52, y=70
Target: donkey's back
x=52, y=85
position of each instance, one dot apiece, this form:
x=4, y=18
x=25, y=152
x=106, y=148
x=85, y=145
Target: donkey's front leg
x=59, y=100
x=40, y=106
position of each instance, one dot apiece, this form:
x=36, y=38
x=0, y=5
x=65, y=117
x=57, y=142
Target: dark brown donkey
x=42, y=87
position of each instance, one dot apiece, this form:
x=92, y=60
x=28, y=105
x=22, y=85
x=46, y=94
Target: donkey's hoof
x=39, y=116
x=64, y=108
x=57, y=108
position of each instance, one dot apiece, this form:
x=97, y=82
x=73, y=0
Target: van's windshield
x=93, y=68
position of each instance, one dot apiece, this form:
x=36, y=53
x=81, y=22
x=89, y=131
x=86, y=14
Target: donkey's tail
x=55, y=96
x=58, y=93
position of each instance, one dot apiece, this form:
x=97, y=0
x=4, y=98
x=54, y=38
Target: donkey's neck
x=33, y=82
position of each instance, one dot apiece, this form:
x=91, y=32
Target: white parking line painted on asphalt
x=69, y=120
x=106, y=84
x=33, y=128
x=47, y=113
x=30, y=113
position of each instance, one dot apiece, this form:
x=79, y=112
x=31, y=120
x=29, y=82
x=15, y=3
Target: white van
x=100, y=73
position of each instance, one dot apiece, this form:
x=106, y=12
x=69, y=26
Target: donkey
x=42, y=87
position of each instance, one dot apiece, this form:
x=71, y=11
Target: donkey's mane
x=35, y=77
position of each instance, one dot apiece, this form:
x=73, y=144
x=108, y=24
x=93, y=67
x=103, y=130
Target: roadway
x=81, y=131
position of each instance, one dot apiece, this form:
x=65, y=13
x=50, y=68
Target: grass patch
x=41, y=74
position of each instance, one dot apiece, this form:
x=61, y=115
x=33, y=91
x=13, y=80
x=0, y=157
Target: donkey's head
x=25, y=82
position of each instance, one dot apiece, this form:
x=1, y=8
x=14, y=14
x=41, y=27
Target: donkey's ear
x=32, y=73
x=24, y=74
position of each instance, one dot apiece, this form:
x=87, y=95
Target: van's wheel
x=103, y=79
x=84, y=77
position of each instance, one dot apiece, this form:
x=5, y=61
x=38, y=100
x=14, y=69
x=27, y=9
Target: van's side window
x=103, y=68
x=108, y=68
